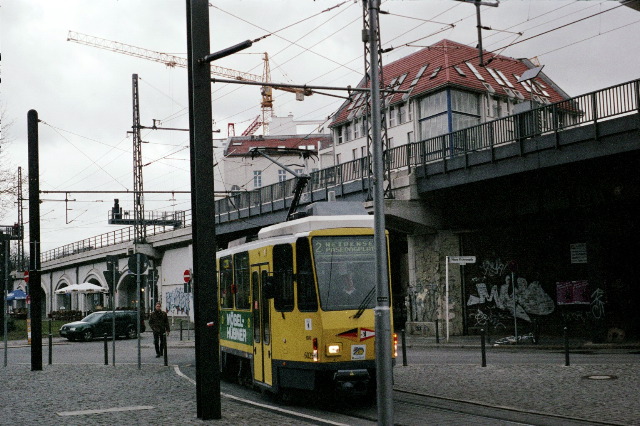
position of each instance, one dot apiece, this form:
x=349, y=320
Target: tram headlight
x=334, y=349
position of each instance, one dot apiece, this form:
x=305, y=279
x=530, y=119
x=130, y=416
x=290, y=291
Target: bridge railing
x=586, y=109
x=589, y=108
x=111, y=238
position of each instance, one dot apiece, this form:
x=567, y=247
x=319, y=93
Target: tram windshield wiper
x=365, y=302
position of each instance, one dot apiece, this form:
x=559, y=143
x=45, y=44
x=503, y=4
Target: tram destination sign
x=462, y=260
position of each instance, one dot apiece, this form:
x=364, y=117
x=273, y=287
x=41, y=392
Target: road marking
x=267, y=406
x=105, y=410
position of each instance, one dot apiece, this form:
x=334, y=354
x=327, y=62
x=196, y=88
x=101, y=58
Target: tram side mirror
x=268, y=287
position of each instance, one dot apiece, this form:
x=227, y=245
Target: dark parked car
x=98, y=324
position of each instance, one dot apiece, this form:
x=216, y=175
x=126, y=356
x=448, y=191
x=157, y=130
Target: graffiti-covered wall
x=425, y=300
x=175, y=300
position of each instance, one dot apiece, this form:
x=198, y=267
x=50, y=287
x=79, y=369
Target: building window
x=356, y=128
x=339, y=133
x=338, y=158
x=432, y=112
x=434, y=126
x=257, y=178
x=410, y=137
x=354, y=153
x=432, y=105
x=392, y=116
x=282, y=175
x=465, y=102
x=402, y=113
x=410, y=111
x=348, y=130
x=389, y=143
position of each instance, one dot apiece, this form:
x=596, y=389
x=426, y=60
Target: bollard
x=404, y=349
x=482, y=348
x=164, y=349
x=181, y=330
x=50, y=346
x=106, y=350
x=437, y=333
x=566, y=348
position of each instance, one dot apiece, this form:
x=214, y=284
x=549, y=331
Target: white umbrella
x=84, y=288
x=88, y=288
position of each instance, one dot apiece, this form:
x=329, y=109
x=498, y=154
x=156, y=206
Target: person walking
x=159, y=323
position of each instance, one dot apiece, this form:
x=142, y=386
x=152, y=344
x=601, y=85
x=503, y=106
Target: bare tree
x=8, y=182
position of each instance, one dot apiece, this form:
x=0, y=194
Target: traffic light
x=112, y=272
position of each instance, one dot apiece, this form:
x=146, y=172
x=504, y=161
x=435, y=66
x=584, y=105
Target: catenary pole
x=382, y=310
x=208, y=404
x=35, y=291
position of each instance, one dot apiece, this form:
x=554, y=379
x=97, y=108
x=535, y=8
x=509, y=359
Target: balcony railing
x=590, y=108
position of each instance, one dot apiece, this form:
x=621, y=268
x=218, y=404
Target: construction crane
x=251, y=129
x=176, y=61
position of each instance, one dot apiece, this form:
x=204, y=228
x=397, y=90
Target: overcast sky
x=83, y=94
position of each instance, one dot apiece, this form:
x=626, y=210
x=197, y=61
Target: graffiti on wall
x=527, y=299
x=177, y=301
x=422, y=302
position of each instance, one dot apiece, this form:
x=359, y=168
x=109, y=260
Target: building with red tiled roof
x=447, y=90
x=242, y=171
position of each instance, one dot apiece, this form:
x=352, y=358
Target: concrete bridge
x=542, y=198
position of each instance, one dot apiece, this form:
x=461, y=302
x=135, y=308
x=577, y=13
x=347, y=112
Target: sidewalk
x=546, y=342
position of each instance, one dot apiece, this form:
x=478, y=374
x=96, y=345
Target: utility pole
x=382, y=311
x=479, y=3
x=205, y=290
x=369, y=64
x=35, y=291
x=20, y=262
x=140, y=230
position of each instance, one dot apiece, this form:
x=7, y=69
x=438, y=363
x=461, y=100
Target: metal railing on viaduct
x=351, y=178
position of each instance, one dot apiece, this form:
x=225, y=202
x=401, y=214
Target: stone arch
x=126, y=291
x=98, y=301
x=63, y=302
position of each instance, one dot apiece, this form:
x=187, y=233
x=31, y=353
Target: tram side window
x=226, y=282
x=243, y=289
x=307, y=298
x=283, y=277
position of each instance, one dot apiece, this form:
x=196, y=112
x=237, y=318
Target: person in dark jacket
x=159, y=323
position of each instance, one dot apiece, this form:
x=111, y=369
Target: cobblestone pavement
x=546, y=389
x=157, y=395
x=154, y=395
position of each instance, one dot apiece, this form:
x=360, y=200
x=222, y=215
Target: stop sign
x=25, y=277
x=187, y=275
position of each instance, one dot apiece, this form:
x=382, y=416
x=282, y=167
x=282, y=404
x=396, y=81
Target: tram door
x=261, y=325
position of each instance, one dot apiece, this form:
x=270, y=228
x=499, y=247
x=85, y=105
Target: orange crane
x=266, y=103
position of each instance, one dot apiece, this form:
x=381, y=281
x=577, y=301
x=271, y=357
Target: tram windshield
x=345, y=268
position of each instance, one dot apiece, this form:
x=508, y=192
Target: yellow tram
x=296, y=305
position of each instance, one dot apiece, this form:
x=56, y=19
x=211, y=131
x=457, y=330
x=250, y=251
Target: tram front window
x=345, y=268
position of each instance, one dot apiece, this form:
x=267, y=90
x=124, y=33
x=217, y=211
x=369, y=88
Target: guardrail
x=590, y=108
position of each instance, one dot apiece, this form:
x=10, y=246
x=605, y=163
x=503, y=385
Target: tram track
x=412, y=408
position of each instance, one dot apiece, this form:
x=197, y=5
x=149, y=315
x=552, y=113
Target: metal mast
x=140, y=230
x=366, y=25
x=20, y=263
x=267, y=96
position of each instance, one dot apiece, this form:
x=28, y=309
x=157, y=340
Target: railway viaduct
x=549, y=210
